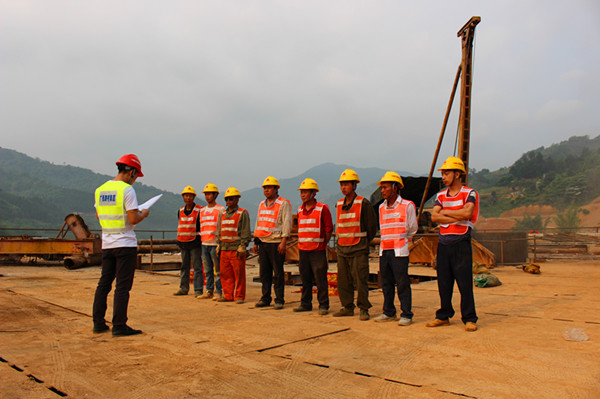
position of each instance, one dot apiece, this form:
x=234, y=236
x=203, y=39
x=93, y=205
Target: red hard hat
x=133, y=161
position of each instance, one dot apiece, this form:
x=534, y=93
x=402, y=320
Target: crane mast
x=467, y=33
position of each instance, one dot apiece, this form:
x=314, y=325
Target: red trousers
x=233, y=275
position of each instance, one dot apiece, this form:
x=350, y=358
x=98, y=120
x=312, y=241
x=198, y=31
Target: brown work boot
x=344, y=312
x=217, y=296
x=206, y=295
x=469, y=326
x=364, y=315
x=180, y=292
x=437, y=323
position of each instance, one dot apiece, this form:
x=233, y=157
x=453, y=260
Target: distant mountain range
x=38, y=194
x=326, y=176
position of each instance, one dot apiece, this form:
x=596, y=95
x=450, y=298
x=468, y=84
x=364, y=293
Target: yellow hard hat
x=188, y=190
x=453, y=163
x=349, y=175
x=271, y=181
x=232, y=192
x=210, y=188
x=308, y=184
x=391, y=176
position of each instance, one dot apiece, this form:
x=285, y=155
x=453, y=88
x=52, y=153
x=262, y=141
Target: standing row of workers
x=220, y=236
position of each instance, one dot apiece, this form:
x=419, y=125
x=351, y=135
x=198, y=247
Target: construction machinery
x=424, y=249
x=84, y=250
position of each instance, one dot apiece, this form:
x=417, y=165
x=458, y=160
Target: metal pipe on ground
x=76, y=262
x=146, y=249
x=156, y=242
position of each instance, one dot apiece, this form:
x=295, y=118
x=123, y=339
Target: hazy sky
x=232, y=91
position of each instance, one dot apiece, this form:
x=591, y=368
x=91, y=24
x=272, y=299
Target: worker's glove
x=218, y=249
x=241, y=252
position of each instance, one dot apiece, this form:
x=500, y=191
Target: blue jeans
x=211, y=264
x=191, y=258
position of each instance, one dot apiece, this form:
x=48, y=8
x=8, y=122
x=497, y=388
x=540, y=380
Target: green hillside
x=39, y=194
x=563, y=175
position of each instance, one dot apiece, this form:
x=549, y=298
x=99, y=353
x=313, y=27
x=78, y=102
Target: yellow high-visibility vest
x=109, y=205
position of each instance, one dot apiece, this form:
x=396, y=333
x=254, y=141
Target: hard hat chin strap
x=132, y=176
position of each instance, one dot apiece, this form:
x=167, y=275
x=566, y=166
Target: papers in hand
x=149, y=203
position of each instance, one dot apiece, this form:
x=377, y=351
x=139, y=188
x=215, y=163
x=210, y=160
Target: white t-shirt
x=128, y=238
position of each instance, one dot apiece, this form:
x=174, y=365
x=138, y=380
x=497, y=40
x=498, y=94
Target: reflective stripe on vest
x=186, y=229
x=110, y=199
x=229, y=226
x=208, y=222
x=266, y=221
x=348, y=223
x=458, y=202
x=392, y=223
x=309, y=228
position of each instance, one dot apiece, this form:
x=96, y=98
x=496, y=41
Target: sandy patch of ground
x=199, y=348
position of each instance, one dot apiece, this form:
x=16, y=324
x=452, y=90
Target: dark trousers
x=117, y=263
x=353, y=272
x=394, y=275
x=313, y=270
x=455, y=263
x=271, y=272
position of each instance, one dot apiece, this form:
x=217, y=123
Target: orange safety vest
x=208, y=222
x=186, y=229
x=229, y=226
x=309, y=228
x=392, y=222
x=266, y=221
x=348, y=223
x=458, y=202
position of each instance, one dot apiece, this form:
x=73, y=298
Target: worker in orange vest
x=233, y=237
x=356, y=228
x=456, y=210
x=315, y=228
x=209, y=218
x=397, y=224
x=271, y=232
x=188, y=239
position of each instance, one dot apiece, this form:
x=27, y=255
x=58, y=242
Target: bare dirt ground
x=508, y=219
x=198, y=348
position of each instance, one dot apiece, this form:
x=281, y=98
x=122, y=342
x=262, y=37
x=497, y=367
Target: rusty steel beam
x=48, y=246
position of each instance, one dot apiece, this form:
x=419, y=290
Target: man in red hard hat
x=117, y=210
